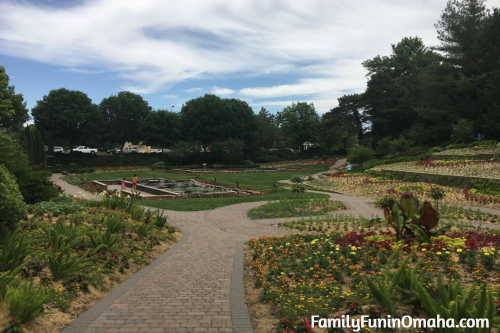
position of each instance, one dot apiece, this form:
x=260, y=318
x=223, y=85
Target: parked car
x=58, y=150
x=127, y=150
x=156, y=151
x=114, y=151
x=86, y=150
x=166, y=151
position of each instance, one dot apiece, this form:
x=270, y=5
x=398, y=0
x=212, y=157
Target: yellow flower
x=459, y=250
x=423, y=250
x=486, y=254
x=438, y=253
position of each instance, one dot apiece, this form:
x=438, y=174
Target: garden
x=400, y=265
x=483, y=194
x=69, y=253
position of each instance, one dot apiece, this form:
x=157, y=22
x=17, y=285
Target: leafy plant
x=298, y=188
x=61, y=236
x=55, y=208
x=13, y=250
x=458, y=301
x=7, y=278
x=437, y=193
x=296, y=179
x=408, y=220
x=12, y=207
x=25, y=302
x=143, y=229
x=159, y=220
x=63, y=264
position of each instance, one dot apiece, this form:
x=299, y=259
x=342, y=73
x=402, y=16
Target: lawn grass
x=189, y=205
x=257, y=181
x=302, y=205
x=144, y=174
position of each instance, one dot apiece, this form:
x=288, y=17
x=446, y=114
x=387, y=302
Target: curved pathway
x=197, y=286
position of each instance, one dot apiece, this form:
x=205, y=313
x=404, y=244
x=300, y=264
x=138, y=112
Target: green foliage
x=25, y=302
x=34, y=186
x=462, y=130
x=298, y=206
x=62, y=264
x=14, y=249
x=8, y=278
x=298, y=188
x=384, y=201
x=457, y=301
x=12, y=207
x=296, y=179
x=159, y=220
x=105, y=239
x=359, y=155
x=62, y=236
x=208, y=118
x=143, y=230
x=33, y=145
x=62, y=206
x=300, y=122
x=69, y=115
x=435, y=150
x=408, y=220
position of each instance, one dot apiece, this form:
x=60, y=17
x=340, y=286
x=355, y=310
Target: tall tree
x=268, y=134
x=125, y=114
x=299, y=123
x=68, y=115
x=210, y=117
x=343, y=122
x=13, y=111
x=394, y=89
x=162, y=128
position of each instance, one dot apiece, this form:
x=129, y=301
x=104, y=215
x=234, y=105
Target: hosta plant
x=409, y=220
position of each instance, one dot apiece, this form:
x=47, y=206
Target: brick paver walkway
x=197, y=286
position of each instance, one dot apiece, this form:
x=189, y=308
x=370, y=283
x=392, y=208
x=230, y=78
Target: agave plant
x=409, y=220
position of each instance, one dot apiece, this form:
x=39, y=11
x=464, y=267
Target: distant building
x=307, y=145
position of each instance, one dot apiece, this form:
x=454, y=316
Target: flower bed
x=371, y=187
x=327, y=274
x=69, y=254
x=466, y=168
x=300, y=206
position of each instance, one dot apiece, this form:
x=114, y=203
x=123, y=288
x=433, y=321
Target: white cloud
x=222, y=91
x=155, y=44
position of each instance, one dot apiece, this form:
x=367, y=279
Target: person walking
x=348, y=167
x=134, y=182
x=123, y=184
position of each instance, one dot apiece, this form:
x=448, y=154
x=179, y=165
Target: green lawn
x=141, y=174
x=188, y=205
x=257, y=181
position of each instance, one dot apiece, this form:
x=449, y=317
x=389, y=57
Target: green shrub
x=34, y=186
x=56, y=208
x=13, y=250
x=7, y=279
x=435, y=150
x=296, y=179
x=62, y=263
x=298, y=188
x=359, y=155
x=25, y=302
x=12, y=207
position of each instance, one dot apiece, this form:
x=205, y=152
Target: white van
x=130, y=150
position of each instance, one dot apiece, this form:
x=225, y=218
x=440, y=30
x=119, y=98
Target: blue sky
x=268, y=53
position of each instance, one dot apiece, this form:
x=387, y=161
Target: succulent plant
x=409, y=220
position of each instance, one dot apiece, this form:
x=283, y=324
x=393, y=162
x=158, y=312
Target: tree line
x=418, y=96
x=429, y=95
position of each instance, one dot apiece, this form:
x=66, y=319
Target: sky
x=268, y=53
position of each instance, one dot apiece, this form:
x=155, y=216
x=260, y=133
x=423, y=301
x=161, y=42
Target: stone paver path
x=197, y=286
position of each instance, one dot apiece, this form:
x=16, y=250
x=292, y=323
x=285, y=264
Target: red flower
x=12, y=320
